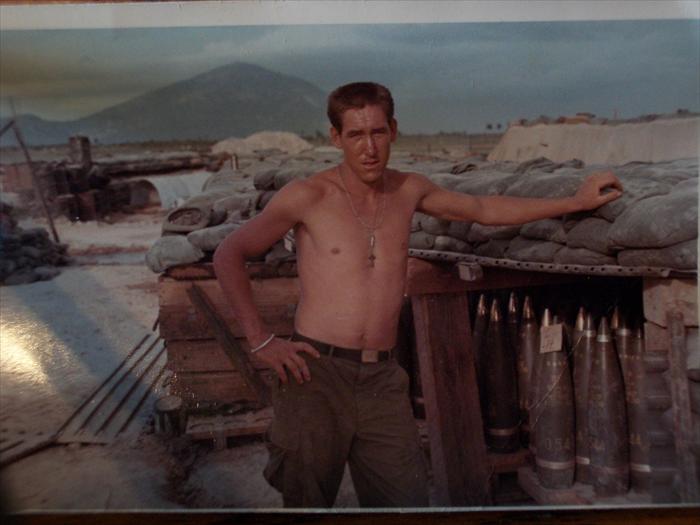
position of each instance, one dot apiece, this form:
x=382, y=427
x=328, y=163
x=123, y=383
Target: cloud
x=460, y=72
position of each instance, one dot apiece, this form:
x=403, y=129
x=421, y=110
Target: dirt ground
x=59, y=340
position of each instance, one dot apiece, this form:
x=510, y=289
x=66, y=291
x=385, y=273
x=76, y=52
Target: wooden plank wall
x=203, y=375
x=672, y=388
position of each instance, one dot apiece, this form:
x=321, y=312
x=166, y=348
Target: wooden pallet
x=219, y=428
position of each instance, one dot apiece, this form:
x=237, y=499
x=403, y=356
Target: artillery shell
x=502, y=415
x=478, y=335
x=583, y=350
x=607, y=419
x=528, y=346
x=513, y=322
x=631, y=351
x=615, y=319
x=555, y=437
x=533, y=397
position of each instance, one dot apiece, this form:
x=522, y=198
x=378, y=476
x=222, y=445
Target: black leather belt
x=357, y=355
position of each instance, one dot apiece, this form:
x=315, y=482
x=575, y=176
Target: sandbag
x=228, y=180
x=459, y=230
x=286, y=175
x=485, y=182
x=591, y=233
x=545, y=230
x=634, y=189
x=536, y=184
x=433, y=225
x=187, y=218
x=681, y=256
x=278, y=254
x=246, y=203
x=482, y=233
x=495, y=248
x=582, y=256
x=416, y=219
x=172, y=250
x=444, y=243
x=657, y=222
x=209, y=238
x=421, y=241
x=522, y=249
x=446, y=180
x=264, y=180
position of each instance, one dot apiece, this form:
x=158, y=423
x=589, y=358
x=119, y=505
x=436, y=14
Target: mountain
x=233, y=100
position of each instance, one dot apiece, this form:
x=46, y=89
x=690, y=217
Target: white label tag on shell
x=551, y=338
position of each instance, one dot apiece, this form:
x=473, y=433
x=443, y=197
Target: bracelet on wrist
x=263, y=344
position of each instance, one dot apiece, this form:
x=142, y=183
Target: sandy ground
x=59, y=340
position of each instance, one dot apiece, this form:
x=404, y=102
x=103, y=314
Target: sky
x=444, y=76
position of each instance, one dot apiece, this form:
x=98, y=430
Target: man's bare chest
x=334, y=229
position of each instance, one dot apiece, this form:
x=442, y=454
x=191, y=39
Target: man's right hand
x=280, y=353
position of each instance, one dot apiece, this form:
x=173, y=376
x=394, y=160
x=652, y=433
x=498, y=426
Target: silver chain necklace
x=376, y=224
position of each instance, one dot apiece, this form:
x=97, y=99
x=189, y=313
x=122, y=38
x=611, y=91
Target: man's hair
x=356, y=96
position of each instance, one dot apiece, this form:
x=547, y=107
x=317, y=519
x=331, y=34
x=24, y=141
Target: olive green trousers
x=355, y=413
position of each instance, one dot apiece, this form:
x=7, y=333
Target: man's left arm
x=597, y=189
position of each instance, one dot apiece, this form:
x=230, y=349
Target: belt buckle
x=370, y=356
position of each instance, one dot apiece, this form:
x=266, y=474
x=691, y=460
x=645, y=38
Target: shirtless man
x=349, y=401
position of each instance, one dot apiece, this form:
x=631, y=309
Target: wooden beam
x=426, y=277
x=256, y=270
x=229, y=344
x=204, y=355
x=185, y=323
x=266, y=292
x=461, y=469
x=215, y=387
x=682, y=418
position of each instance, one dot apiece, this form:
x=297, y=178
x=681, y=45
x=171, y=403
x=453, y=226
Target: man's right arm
x=254, y=238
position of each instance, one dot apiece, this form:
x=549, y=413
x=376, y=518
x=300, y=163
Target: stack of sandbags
x=28, y=255
x=654, y=223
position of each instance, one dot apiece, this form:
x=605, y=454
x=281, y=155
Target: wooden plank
x=579, y=494
x=190, y=272
x=461, y=471
x=205, y=355
x=184, y=322
x=266, y=292
x=214, y=427
x=426, y=277
x=662, y=295
x=256, y=270
x=229, y=343
x=214, y=387
x=682, y=418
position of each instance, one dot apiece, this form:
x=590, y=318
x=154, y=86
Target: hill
x=233, y=100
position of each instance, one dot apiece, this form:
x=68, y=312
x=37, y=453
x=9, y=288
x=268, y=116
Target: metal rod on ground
x=35, y=180
x=228, y=342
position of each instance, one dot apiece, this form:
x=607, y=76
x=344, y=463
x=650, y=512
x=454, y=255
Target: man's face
x=366, y=141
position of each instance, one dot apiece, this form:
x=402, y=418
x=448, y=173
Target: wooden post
x=229, y=344
x=460, y=464
x=682, y=417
